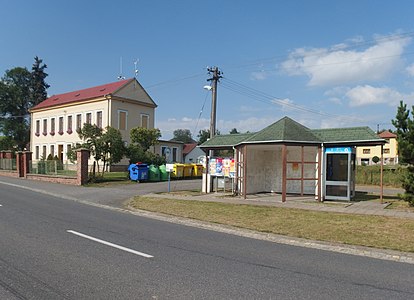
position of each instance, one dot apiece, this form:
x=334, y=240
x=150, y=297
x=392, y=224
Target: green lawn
x=371, y=231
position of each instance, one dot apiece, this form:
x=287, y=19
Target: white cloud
x=259, y=75
x=368, y=95
x=185, y=119
x=336, y=65
x=286, y=103
x=410, y=70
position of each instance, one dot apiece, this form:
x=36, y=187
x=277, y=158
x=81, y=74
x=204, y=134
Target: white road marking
x=109, y=244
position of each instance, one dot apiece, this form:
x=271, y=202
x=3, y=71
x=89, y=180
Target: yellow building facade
x=365, y=155
x=123, y=105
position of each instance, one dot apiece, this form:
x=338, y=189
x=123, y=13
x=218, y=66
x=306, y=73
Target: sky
x=323, y=63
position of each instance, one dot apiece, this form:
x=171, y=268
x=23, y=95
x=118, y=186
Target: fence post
x=19, y=163
x=27, y=158
x=82, y=156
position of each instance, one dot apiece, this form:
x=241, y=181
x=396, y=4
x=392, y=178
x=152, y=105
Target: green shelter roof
x=287, y=130
x=284, y=130
x=351, y=135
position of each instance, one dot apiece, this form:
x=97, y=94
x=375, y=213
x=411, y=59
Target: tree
x=20, y=90
x=204, y=135
x=183, y=135
x=141, y=140
x=234, y=131
x=14, y=105
x=405, y=138
x=111, y=148
x=105, y=146
x=38, y=85
x=145, y=137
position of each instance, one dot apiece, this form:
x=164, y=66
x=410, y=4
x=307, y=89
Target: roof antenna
x=135, y=68
x=120, y=77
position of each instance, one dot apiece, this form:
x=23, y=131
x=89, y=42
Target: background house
x=171, y=150
x=191, y=153
x=365, y=154
x=122, y=104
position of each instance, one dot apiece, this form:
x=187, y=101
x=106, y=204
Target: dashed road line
x=110, y=244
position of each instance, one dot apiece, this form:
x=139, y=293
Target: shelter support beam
x=319, y=174
x=284, y=171
x=381, y=174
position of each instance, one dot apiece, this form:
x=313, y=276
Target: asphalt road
x=53, y=248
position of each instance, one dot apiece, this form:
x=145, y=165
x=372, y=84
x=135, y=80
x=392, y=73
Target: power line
x=269, y=99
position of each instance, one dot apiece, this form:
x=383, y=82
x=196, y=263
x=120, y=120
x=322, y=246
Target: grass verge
x=371, y=231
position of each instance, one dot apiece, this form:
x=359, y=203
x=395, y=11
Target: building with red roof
x=122, y=104
x=365, y=155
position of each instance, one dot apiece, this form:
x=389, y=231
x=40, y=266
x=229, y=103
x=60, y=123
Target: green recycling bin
x=163, y=173
x=154, y=173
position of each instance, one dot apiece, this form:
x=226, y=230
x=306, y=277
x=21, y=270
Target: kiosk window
x=366, y=151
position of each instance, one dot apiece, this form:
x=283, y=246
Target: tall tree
x=14, y=105
x=38, y=85
x=183, y=135
x=20, y=90
x=405, y=138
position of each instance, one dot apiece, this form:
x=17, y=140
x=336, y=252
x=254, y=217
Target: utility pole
x=216, y=75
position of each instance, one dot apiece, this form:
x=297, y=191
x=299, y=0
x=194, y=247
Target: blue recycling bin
x=133, y=172
x=142, y=172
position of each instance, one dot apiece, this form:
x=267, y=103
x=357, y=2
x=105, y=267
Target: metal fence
x=8, y=164
x=52, y=167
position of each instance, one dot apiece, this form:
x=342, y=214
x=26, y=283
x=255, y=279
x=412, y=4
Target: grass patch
x=371, y=231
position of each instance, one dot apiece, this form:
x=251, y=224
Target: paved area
x=115, y=196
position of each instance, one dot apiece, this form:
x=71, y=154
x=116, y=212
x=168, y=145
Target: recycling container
x=142, y=172
x=153, y=173
x=178, y=171
x=133, y=172
x=187, y=170
x=163, y=172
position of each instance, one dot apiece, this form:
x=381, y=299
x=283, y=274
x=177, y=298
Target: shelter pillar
x=284, y=171
x=382, y=173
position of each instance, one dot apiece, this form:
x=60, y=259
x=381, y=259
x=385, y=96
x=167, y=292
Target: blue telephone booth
x=339, y=177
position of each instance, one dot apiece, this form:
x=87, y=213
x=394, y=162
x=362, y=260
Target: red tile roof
x=81, y=95
x=387, y=135
x=188, y=148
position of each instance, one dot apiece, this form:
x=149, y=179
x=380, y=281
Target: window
x=60, y=125
x=78, y=122
x=69, y=130
x=52, y=150
x=174, y=154
x=37, y=133
x=44, y=152
x=122, y=119
x=366, y=151
x=386, y=151
x=68, y=149
x=44, y=126
x=144, y=121
x=89, y=118
x=37, y=152
x=52, y=126
x=99, y=119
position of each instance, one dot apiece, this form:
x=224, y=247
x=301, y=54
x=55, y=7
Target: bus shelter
x=289, y=158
